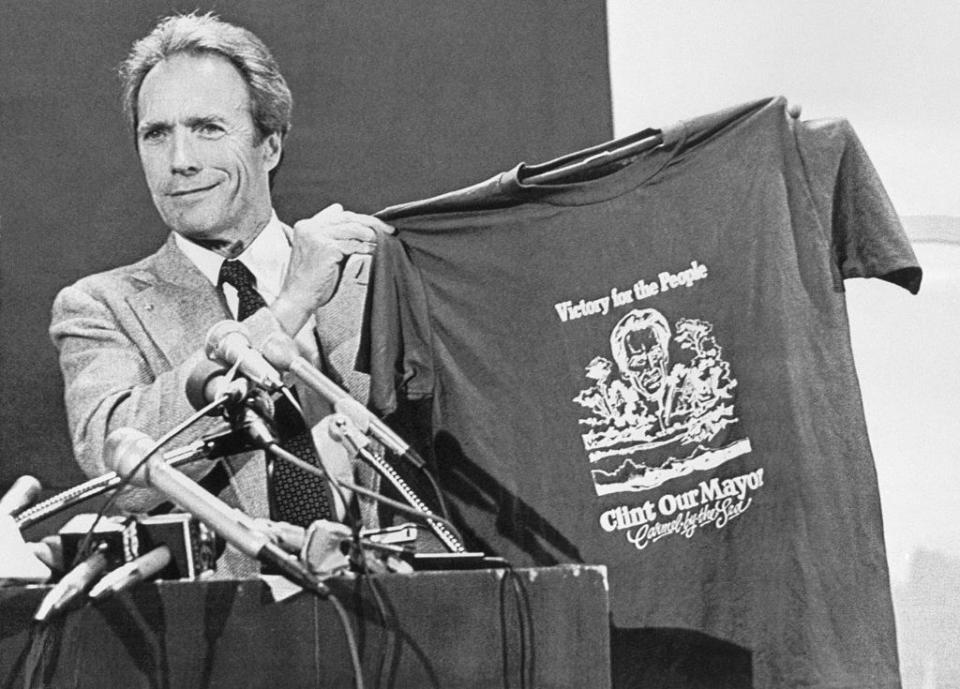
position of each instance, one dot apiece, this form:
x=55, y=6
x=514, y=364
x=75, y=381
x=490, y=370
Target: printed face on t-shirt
x=647, y=360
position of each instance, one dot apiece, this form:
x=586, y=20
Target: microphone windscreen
x=214, y=342
x=200, y=377
x=228, y=342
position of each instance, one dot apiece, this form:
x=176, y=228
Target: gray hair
x=270, y=101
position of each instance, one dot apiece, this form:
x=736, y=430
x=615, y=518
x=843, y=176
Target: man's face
x=647, y=360
x=198, y=147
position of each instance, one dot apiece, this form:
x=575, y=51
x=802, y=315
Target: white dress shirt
x=268, y=258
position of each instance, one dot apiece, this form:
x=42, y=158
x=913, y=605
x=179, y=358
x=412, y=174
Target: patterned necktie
x=296, y=496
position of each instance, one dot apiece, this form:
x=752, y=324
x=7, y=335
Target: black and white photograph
x=520, y=345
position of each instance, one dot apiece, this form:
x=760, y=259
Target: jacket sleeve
x=116, y=376
x=109, y=384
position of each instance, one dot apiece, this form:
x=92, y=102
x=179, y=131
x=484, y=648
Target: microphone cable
x=160, y=443
x=387, y=622
x=386, y=619
x=521, y=600
x=125, y=480
x=283, y=454
x=351, y=641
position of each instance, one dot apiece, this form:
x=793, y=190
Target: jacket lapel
x=179, y=306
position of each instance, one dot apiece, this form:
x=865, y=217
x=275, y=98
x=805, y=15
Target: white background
x=892, y=67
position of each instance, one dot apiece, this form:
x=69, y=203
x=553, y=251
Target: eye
x=210, y=130
x=153, y=134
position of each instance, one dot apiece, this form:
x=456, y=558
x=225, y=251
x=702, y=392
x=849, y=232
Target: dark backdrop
x=394, y=101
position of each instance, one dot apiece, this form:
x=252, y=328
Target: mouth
x=186, y=193
x=651, y=379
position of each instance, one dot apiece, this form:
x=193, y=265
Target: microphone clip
x=253, y=417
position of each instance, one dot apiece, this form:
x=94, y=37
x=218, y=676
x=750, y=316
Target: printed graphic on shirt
x=715, y=501
x=661, y=407
x=659, y=404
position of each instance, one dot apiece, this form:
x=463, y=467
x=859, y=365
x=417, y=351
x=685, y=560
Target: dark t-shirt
x=648, y=366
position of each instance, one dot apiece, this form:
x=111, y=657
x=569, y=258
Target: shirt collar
x=267, y=257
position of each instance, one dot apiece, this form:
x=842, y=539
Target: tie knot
x=235, y=273
x=249, y=299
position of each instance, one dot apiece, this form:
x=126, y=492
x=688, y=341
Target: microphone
x=280, y=351
x=129, y=575
x=209, y=382
x=73, y=584
x=251, y=424
x=20, y=495
x=228, y=343
x=222, y=441
x=125, y=449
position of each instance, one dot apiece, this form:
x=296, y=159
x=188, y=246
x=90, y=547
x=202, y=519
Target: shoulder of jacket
x=126, y=278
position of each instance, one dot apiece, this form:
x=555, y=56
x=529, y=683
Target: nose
x=183, y=154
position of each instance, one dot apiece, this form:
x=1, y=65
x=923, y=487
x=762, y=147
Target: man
x=640, y=343
x=209, y=111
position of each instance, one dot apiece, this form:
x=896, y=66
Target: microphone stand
x=280, y=351
x=208, y=447
x=273, y=448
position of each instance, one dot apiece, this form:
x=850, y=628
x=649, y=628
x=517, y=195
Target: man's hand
x=321, y=245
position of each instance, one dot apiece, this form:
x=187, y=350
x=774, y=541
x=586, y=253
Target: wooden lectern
x=545, y=628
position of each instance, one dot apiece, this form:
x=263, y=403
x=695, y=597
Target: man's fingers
x=355, y=246
x=370, y=221
x=335, y=215
x=337, y=231
x=351, y=218
x=332, y=210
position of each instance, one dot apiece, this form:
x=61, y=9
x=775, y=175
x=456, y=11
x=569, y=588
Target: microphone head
x=123, y=450
x=280, y=350
x=220, y=333
x=201, y=376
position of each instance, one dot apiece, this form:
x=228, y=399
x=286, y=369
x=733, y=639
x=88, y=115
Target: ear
x=272, y=149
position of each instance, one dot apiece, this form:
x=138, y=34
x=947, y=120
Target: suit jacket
x=128, y=340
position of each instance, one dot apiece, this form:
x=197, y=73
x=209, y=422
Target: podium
x=544, y=627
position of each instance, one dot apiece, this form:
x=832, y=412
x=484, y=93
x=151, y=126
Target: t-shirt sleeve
x=867, y=236
x=395, y=335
